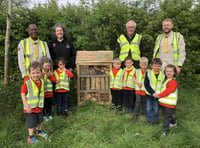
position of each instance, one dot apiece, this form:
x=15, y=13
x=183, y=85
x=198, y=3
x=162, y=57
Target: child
x=116, y=77
x=32, y=94
x=138, y=79
x=168, y=98
x=128, y=85
x=48, y=78
x=62, y=86
x=152, y=83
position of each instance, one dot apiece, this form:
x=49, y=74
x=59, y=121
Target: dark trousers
x=140, y=101
x=116, y=97
x=61, y=100
x=129, y=98
x=168, y=118
x=47, y=110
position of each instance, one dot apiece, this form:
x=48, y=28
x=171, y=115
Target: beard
x=167, y=31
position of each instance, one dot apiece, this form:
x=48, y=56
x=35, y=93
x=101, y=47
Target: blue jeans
x=61, y=100
x=152, y=103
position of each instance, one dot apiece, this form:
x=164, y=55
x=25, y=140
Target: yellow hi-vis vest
x=64, y=81
x=140, y=79
x=155, y=82
x=134, y=46
x=129, y=82
x=34, y=97
x=176, y=36
x=172, y=98
x=116, y=82
x=26, y=46
x=47, y=83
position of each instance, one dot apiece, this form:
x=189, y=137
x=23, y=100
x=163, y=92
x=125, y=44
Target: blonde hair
x=117, y=60
x=34, y=65
x=45, y=60
x=144, y=60
x=168, y=20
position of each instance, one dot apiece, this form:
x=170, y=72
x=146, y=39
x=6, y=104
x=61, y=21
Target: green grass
x=95, y=126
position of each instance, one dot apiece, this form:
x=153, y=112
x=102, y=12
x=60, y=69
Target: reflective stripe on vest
x=64, y=81
x=47, y=83
x=176, y=36
x=129, y=82
x=140, y=79
x=116, y=82
x=34, y=97
x=172, y=98
x=134, y=46
x=26, y=46
x=155, y=82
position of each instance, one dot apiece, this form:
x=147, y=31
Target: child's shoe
x=134, y=118
x=119, y=108
x=32, y=140
x=50, y=117
x=45, y=118
x=66, y=114
x=127, y=110
x=42, y=134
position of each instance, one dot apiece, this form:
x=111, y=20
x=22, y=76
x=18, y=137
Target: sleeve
x=52, y=78
x=171, y=87
x=21, y=60
x=181, y=51
x=24, y=89
x=73, y=56
x=69, y=73
x=147, y=85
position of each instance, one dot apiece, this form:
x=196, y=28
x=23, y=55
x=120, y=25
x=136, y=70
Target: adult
x=170, y=46
x=61, y=46
x=130, y=44
x=30, y=49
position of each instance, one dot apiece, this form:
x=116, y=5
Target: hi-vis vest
x=134, y=47
x=64, y=81
x=140, y=79
x=47, y=83
x=34, y=97
x=155, y=82
x=117, y=81
x=129, y=82
x=176, y=36
x=172, y=98
x=26, y=46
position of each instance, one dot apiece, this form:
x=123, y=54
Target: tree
x=7, y=43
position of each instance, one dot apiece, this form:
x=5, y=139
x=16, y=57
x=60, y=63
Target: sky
x=60, y=2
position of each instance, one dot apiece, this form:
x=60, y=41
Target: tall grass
x=96, y=126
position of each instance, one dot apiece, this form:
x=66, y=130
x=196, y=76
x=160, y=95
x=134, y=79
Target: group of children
x=37, y=94
x=147, y=88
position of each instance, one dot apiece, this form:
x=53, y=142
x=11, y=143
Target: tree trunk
x=7, y=44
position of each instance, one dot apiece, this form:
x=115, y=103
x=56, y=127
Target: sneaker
x=50, y=117
x=127, y=110
x=113, y=107
x=173, y=125
x=134, y=118
x=32, y=140
x=119, y=108
x=163, y=135
x=45, y=118
x=66, y=114
x=42, y=134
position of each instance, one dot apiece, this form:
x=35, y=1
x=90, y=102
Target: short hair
x=173, y=67
x=144, y=60
x=128, y=58
x=156, y=61
x=168, y=20
x=117, y=60
x=31, y=25
x=131, y=21
x=61, y=59
x=35, y=65
x=45, y=60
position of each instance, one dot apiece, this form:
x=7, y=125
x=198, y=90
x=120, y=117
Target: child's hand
x=28, y=109
x=139, y=85
x=48, y=74
x=155, y=95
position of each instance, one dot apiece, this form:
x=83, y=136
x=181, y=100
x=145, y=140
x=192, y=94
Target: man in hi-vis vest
x=170, y=46
x=130, y=44
x=31, y=49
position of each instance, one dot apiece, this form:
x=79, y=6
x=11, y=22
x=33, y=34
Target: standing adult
x=130, y=44
x=61, y=46
x=30, y=49
x=170, y=46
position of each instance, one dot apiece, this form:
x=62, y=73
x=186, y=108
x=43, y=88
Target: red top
x=140, y=92
x=69, y=73
x=52, y=78
x=128, y=88
x=24, y=90
x=171, y=87
x=115, y=73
